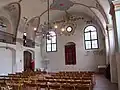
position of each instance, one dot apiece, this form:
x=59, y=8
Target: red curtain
x=70, y=55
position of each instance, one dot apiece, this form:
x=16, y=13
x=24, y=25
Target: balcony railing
x=29, y=43
x=7, y=38
x=11, y=39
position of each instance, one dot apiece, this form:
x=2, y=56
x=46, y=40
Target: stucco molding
x=117, y=5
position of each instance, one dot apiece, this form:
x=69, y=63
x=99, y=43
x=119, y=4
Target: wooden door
x=27, y=60
x=70, y=55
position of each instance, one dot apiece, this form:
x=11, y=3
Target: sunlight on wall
x=118, y=26
x=110, y=20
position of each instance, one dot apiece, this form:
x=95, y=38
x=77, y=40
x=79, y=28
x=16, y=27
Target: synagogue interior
x=59, y=45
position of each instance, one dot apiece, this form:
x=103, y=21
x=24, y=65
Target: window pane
x=53, y=47
x=48, y=47
x=51, y=42
x=92, y=28
x=87, y=29
x=87, y=36
x=93, y=35
x=54, y=39
x=88, y=44
x=94, y=44
x=1, y=28
x=48, y=41
x=52, y=33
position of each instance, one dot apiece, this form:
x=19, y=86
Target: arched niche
x=70, y=43
x=30, y=29
x=14, y=12
x=6, y=31
x=10, y=16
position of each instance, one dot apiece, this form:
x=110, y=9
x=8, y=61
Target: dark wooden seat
x=58, y=81
x=55, y=86
x=68, y=86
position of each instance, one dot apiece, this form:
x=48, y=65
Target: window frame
x=24, y=39
x=51, y=43
x=91, y=38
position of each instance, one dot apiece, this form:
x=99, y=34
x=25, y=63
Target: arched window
x=70, y=53
x=51, y=42
x=3, y=27
x=91, y=38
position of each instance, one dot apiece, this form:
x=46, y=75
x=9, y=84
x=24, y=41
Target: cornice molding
x=117, y=5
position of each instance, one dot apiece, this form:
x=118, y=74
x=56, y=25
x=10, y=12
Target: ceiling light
x=69, y=29
x=25, y=34
x=35, y=29
x=62, y=29
x=55, y=26
x=25, y=41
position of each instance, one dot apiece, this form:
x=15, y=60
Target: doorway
x=28, y=61
x=70, y=53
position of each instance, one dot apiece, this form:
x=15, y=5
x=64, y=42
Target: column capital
x=117, y=5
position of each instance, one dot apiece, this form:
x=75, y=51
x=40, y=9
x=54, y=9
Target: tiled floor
x=103, y=84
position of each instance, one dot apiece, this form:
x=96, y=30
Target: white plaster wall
x=19, y=57
x=7, y=54
x=6, y=61
x=13, y=60
x=38, y=58
x=118, y=70
x=107, y=50
x=118, y=27
x=117, y=38
x=86, y=61
x=112, y=57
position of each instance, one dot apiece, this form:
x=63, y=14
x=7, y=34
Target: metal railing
x=29, y=43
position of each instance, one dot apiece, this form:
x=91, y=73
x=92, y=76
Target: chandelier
x=66, y=26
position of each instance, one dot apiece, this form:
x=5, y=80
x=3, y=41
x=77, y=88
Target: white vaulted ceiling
x=33, y=8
